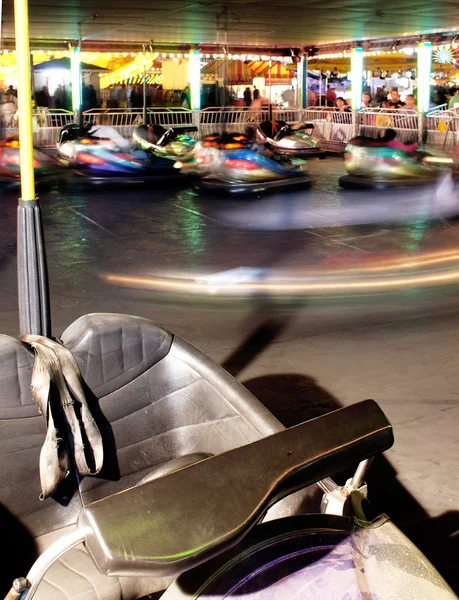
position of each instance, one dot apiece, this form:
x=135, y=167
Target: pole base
x=33, y=291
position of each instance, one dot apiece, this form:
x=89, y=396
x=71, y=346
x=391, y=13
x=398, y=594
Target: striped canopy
x=260, y=68
x=236, y=72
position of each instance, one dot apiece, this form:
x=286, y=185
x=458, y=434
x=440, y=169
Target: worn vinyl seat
x=160, y=404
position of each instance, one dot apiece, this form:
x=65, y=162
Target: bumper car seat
x=160, y=404
x=274, y=129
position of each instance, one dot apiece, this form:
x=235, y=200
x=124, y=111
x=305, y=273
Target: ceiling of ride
x=247, y=22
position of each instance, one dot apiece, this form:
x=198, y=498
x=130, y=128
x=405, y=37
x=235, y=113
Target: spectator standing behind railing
x=454, y=100
x=247, y=97
x=256, y=102
x=394, y=100
x=330, y=97
x=367, y=101
x=410, y=104
x=342, y=105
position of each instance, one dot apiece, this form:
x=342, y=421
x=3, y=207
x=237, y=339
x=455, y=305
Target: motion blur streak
x=285, y=287
x=423, y=260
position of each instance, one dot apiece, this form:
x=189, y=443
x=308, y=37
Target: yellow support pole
x=21, y=22
x=33, y=291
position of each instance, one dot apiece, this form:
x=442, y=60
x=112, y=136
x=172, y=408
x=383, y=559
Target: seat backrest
x=111, y=350
x=271, y=128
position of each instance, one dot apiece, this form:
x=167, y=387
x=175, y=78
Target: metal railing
x=330, y=125
x=45, y=125
x=234, y=119
x=404, y=121
x=443, y=128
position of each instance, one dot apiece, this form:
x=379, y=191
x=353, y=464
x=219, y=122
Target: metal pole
x=32, y=274
x=270, y=114
x=144, y=108
x=320, y=88
x=302, y=87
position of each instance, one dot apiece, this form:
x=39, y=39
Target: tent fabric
x=239, y=71
x=260, y=68
x=64, y=65
x=235, y=71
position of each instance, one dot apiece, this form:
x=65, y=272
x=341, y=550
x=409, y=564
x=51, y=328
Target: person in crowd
x=247, y=97
x=334, y=73
x=129, y=96
x=342, y=105
x=11, y=92
x=92, y=97
x=410, y=103
x=454, y=100
x=311, y=98
x=256, y=102
x=122, y=95
x=330, y=97
x=185, y=98
x=366, y=101
x=112, y=101
x=394, y=99
x=289, y=97
x=58, y=98
x=42, y=97
x=84, y=97
x=8, y=111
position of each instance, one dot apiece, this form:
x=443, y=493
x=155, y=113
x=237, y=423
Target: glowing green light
x=194, y=76
x=76, y=79
x=424, y=69
x=357, y=77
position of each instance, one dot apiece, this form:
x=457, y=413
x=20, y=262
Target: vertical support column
x=75, y=72
x=303, y=82
x=144, y=93
x=33, y=294
x=357, y=77
x=424, y=72
x=21, y=16
x=194, y=79
x=357, y=86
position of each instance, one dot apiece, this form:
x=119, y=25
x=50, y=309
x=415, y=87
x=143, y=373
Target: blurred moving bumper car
x=101, y=153
x=169, y=143
x=294, y=139
x=384, y=163
x=9, y=162
x=234, y=164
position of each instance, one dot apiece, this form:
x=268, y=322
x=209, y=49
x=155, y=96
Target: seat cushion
x=74, y=576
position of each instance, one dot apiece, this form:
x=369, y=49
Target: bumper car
x=168, y=143
x=234, y=164
x=383, y=163
x=44, y=166
x=101, y=154
x=290, y=139
x=129, y=458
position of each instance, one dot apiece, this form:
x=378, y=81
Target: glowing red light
x=90, y=159
x=246, y=165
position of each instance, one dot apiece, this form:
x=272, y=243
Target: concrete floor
x=301, y=354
